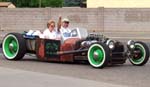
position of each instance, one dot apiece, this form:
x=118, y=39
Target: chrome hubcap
x=11, y=47
x=95, y=55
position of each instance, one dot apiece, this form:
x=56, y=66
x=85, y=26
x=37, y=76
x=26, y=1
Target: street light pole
x=39, y=3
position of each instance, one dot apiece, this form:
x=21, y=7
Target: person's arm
x=59, y=24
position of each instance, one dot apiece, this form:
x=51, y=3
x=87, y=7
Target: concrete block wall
x=127, y=20
x=80, y=17
x=20, y=19
x=93, y=19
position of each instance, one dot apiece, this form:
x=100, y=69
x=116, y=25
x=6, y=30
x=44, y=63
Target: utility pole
x=39, y=3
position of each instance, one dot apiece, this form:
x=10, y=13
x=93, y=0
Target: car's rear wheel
x=14, y=46
x=142, y=57
x=98, y=55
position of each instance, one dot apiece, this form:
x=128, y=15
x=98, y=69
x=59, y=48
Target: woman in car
x=50, y=32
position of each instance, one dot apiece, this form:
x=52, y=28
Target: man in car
x=63, y=28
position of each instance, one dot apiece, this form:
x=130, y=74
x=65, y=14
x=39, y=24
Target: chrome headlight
x=131, y=44
x=110, y=44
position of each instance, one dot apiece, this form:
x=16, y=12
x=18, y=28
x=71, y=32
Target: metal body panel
x=118, y=54
x=68, y=45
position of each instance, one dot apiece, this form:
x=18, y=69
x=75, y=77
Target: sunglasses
x=66, y=22
x=52, y=25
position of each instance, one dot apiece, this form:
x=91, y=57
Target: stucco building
x=118, y=3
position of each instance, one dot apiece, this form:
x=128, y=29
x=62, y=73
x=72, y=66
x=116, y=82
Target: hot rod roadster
x=98, y=50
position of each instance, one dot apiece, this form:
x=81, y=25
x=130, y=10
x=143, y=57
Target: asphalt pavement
x=21, y=78
x=31, y=72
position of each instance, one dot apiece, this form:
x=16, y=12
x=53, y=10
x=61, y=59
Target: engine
x=98, y=37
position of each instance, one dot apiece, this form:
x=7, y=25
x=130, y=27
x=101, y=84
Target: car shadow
x=37, y=60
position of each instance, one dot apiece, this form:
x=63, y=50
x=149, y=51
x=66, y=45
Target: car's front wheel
x=98, y=55
x=142, y=56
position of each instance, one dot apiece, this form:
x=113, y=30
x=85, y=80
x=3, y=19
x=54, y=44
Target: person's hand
x=60, y=17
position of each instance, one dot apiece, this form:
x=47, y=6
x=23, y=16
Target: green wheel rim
x=10, y=46
x=141, y=59
x=99, y=59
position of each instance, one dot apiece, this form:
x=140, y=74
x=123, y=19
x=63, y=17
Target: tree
x=35, y=3
x=52, y=3
x=72, y=3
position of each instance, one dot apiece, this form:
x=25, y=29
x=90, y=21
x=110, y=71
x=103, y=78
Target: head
x=65, y=22
x=51, y=25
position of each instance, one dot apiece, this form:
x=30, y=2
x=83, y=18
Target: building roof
x=5, y=4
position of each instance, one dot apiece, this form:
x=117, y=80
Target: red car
x=98, y=50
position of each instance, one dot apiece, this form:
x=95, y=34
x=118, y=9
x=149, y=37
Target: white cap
x=65, y=20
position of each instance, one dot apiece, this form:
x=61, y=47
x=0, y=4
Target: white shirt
x=49, y=35
x=65, y=32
